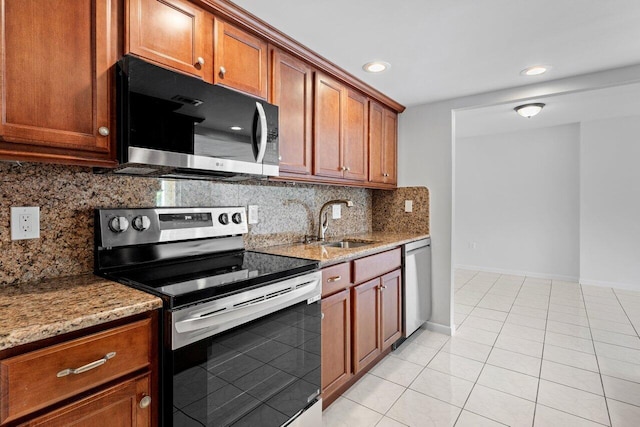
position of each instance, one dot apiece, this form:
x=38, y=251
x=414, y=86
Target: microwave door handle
x=263, y=132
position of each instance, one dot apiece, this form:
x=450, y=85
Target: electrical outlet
x=253, y=214
x=25, y=223
x=408, y=205
x=336, y=211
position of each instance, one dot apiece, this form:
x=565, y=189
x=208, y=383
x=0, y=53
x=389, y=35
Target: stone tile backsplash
x=67, y=196
x=389, y=214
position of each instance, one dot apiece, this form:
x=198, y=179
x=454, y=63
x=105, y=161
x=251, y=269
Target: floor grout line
x=606, y=404
x=496, y=291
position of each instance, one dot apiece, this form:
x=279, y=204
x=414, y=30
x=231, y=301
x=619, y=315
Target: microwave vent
x=186, y=100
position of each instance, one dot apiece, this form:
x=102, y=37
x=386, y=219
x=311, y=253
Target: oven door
x=265, y=372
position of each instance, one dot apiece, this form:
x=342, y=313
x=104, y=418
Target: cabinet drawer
x=40, y=378
x=375, y=265
x=336, y=278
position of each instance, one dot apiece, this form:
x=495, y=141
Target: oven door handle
x=249, y=311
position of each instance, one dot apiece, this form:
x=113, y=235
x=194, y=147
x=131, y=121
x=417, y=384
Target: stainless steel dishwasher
x=416, y=258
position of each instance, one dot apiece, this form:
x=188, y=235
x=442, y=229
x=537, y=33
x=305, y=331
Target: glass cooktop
x=189, y=281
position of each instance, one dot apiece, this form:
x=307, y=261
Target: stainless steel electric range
x=241, y=329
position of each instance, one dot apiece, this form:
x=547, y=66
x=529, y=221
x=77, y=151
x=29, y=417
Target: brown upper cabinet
x=340, y=143
x=292, y=91
x=174, y=33
x=240, y=60
x=382, y=145
x=355, y=147
x=56, y=81
x=327, y=147
x=57, y=84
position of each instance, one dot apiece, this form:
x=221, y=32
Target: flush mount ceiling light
x=376, y=66
x=529, y=110
x=535, y=70
x=236, y=128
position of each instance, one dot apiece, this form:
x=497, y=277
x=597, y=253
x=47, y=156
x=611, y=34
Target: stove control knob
x=223, y=219
x=236, y=218
x=141, y=222
x=118, y=224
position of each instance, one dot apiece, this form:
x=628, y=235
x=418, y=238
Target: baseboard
x=518, y=273
x=616, y=285
x=442, y=329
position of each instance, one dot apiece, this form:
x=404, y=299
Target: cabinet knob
x=348, y=169
x=322, y=316
x=199, y=62
x=103, y=130
x=385, y=174
x=145, y=402
x=342, y=168
x=223, y=71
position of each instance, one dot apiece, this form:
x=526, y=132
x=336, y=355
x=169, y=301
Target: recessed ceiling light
x=535, y=70
x=236, y=128
x=376, y=66
x=529, y=110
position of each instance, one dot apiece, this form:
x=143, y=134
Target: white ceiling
x=618, y=101
x=441, y=49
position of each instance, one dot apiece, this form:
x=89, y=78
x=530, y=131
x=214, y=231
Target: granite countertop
x=37, y=310
x=328, y=255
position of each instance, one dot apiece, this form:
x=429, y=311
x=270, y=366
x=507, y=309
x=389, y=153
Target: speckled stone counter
x=37, y=310
x=328, y=255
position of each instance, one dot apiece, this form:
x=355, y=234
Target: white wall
x=610, y=202
x=425, y=150
x=425, y=160
x=517, y=199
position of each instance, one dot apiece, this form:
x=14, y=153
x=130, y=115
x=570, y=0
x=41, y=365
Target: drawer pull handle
x=145, y=402
x=334, y=279
x=87, y=367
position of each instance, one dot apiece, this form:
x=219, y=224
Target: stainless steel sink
x=348, y=244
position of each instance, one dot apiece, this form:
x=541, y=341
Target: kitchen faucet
x=323, y=223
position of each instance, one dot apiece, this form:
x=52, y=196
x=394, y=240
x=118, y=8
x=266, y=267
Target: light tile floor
x=527, y=352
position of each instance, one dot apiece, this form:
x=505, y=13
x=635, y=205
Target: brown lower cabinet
x=377, y=317
x=104, y=377
x=117, y=406
x=336, y=342
x=362, y=318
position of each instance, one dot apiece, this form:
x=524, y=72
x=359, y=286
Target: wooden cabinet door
x=376, y=148
x=56, y=80
x=390, y=308
x=336, y=341
x=355, y=151
x=327, y=147
x=382, y=144
x=174, y=33
x=240, y=60
x=390, y=147
x=119, y=405
x=366, y=325
x=292, y=92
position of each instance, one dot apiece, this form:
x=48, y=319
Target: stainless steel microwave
x=173, y=125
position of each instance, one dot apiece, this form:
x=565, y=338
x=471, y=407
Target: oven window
x=259, y=374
